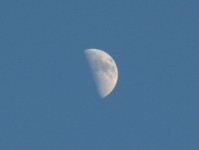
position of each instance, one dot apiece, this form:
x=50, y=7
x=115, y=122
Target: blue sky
x=48, y=100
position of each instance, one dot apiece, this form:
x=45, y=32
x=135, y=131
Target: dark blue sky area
x=48, y=100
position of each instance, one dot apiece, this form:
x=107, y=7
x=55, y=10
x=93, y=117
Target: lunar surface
x=104, y=70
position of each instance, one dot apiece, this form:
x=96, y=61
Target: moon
x=104, y=70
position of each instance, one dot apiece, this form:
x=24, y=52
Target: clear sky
x=48, y=100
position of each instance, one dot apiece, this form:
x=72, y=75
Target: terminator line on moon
x=104, y=70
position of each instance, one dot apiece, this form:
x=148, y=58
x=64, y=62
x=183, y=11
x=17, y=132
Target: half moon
x=104, y=70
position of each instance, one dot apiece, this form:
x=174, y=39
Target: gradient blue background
x=48, y=100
